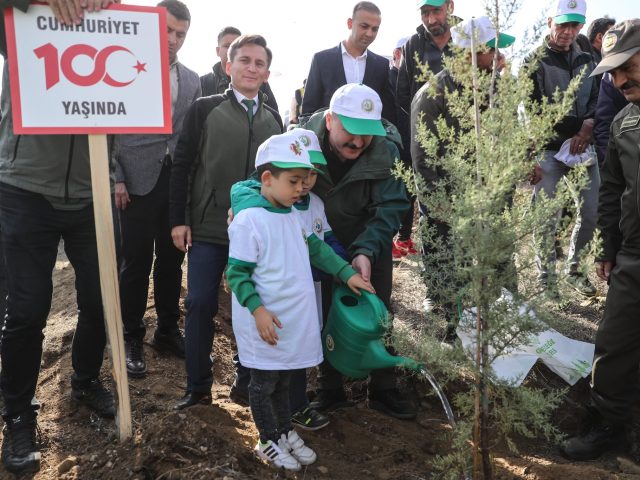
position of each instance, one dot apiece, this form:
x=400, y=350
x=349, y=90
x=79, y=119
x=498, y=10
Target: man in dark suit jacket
x=143, y=166
x=351, y=62
x=217, y=81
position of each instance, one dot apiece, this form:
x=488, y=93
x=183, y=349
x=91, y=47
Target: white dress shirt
x=353, y=67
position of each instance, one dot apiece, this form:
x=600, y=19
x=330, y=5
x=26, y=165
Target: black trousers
x=31, y=232
x=614, y=380
x=145, y=229
x=381, y=278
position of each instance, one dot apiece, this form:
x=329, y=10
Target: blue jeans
x=31, y=232
x=553, y=171
x=207, y=262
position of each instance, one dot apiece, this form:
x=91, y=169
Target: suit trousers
x=145, y=230
x=614, y=379
x=31, y=233
x=381, y=278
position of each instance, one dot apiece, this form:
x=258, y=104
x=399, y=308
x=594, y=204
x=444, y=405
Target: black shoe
x=96, y=397
x=172, y=342
x=136, y=366
x=393, y=403
x=239, y=396
x=20, y=452
x=193, y=398
x=327, y=400
x=581, y=284
x=597, y=437
x=309, y=419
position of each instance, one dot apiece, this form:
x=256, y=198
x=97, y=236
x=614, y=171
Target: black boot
x=172, y=342
x=393, y=403
x=134, y=352
x=330, y=399
x=95, y=396
x=597, y=437
x=20, y=452
x=193, y=398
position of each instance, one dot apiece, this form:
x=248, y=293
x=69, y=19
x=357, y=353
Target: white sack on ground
x=570, y=359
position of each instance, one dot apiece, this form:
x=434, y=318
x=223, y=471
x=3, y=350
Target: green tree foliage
x=485, y=198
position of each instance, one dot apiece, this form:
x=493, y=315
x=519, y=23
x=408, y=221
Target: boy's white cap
x=309, y=140
x=570, y=11
x=359, y=108
x=283, y=151
x=486, y=34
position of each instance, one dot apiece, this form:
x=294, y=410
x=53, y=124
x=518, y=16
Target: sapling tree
x=493, y=138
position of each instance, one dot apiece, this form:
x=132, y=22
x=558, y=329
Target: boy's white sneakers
x=274, y=453
x=294, y=444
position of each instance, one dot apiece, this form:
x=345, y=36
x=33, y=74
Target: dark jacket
x=366, y=206
x=619, y=201
x=217, y=148
x=217, y=81
x=56, y=166
x=139, y=157
x=421, y=44
x=326, y=75
x=430, y=109
x=610, y=102
x=551, y=70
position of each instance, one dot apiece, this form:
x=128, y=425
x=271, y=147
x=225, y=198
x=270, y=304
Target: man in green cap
x=364, y=204
x=429, y=109
x=430, y=43
x=552, y=67
x=614, y=379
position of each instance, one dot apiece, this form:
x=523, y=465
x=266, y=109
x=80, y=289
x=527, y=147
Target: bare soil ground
x=216, y=442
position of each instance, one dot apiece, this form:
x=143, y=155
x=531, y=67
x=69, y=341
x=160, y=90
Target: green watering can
x=353, y=340
x=353, y=337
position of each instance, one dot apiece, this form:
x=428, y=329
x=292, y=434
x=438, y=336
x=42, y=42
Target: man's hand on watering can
x=357, y=283
x=265, y=321
x=362, y=265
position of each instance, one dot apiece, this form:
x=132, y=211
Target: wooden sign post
x=107, y=75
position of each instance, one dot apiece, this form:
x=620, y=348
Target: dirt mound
x=216, y=442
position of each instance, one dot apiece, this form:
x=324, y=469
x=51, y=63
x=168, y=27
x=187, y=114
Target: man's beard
x=438, y=29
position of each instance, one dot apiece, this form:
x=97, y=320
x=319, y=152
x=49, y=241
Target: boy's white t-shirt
x=313, y=217
x=276, y=243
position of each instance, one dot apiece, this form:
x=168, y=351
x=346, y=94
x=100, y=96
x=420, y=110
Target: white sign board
x=108, y=74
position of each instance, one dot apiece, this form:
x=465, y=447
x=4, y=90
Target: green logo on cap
x=572, y=4
x=367, y=105
x=304, y=140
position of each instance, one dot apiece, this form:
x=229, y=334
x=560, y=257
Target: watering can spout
x=376, y=357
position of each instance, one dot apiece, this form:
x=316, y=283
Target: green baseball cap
x=359, y=109
x=309, y=140
x=431, y=3
x=283, y=151
x=568, y=11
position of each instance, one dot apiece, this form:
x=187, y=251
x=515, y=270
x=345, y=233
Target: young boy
x=270, y=276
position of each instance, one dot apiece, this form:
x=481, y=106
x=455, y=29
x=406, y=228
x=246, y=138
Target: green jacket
x=619, y=201
x=366, y=207
x=244, y=195
x=217, y=148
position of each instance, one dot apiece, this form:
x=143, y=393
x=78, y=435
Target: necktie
x=249, y=104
